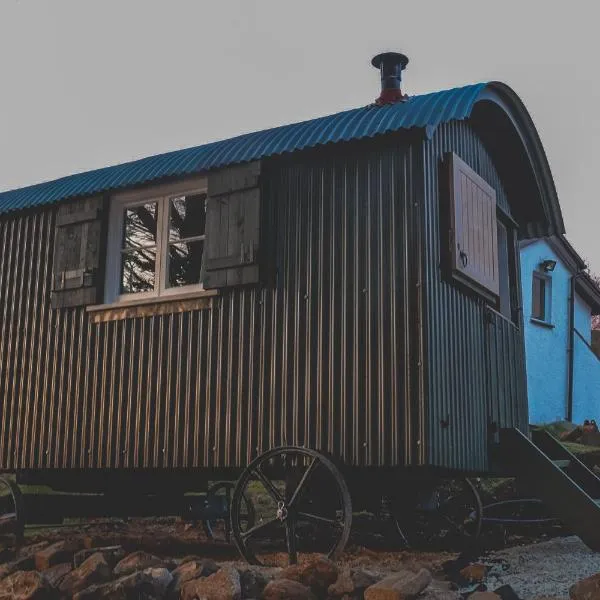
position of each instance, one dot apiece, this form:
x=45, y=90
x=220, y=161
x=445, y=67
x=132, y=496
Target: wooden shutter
x=473, y=235
x=232, y=227
x=77, y=275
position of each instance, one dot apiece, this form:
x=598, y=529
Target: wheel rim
x=12, y=523
x=447, y=516
x=301, y=503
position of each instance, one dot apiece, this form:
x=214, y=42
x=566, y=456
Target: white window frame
x=161, y=194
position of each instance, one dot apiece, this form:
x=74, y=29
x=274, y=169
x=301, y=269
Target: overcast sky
x=89, y=83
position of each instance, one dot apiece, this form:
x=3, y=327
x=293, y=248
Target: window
x=473, y=229
x=156, y=244
x=184, y=237
x=541, y=297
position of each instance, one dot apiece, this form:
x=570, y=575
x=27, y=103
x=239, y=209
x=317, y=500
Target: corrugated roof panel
x=428, y=110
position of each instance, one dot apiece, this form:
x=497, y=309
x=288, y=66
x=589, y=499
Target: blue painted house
x=559, y=300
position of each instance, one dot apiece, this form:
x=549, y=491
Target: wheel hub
x=282, y=511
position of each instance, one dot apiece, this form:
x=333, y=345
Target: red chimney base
x=391, y=96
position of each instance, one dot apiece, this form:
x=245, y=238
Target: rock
x=439, y=590
x=159, y=578
x=586, y=589
x=318, y=574
x=112, y=555
x=590, y=438
x=287, y=589
x=140, y=585
x=54, y=575
x=222, y=585
x=25, y=585
x=474, y=573
x=192, y=569
x=253, y=583
x=506, y=593
x=25, y=563
x=93, y=570
x=435, y=594
x=56, y=553
x=572, y=436
x=483, y=596
x=190, y=558
x=137, y=561
x=399, y=586
x=31, y=549
x=352, y=582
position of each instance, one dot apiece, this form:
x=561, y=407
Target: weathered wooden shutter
x=474, y=235
x=232, y=227
x=78, y=269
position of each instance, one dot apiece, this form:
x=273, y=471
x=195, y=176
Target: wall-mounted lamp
x=548, y=265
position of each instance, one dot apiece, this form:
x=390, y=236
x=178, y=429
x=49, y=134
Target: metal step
x=562, y=464
x=572, y=494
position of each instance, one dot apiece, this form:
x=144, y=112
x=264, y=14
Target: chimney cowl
x=390, y=65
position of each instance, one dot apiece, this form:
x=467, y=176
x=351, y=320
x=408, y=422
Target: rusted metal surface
x=475, y=370
x=318, y=355
x=118, y=313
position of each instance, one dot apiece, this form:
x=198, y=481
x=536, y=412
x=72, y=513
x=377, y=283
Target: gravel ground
x=545, y=569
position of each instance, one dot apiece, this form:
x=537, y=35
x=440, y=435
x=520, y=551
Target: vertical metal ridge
x=473, y=377
x=319, y=355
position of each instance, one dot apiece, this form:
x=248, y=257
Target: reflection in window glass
x=163, y=244
x=138, y=270
x=139, y=225
x=187, y=217
x=185, y=263
x=539, y=308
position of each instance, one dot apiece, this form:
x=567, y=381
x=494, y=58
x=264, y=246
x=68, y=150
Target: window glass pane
x=542, y=301
x=139, y=225
x=138, y=270
x=185, y=263
x=187, y=217
x=539, y=298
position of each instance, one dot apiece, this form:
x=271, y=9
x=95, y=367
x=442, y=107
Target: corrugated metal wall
x=475, y=358
x=318, y=356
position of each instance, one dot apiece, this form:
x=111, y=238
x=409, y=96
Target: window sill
x=147, y=307
x=542, y=323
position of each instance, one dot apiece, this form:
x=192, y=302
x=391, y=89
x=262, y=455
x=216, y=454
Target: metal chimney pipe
x=390, y=65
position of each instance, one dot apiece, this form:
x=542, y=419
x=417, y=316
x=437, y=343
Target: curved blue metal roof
x=425, y=111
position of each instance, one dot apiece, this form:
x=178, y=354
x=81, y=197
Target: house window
x=160, y=240
x=541, y=296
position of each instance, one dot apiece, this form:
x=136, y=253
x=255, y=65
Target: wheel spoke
x=454, y=526
x=268, y=485
x=307, y=473
x=246, y=534
x=319, y=519
x=8, y=521
x=290, y=538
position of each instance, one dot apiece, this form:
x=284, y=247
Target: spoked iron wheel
x=12, y=519
x=218, y=498
x=440, y=514
x=301, y=503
